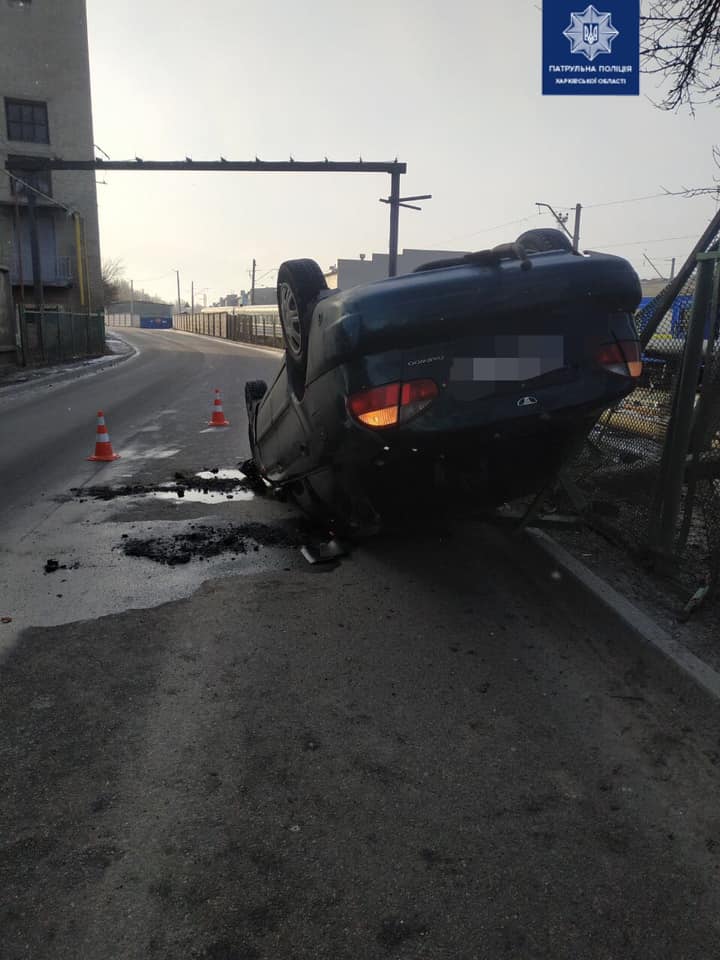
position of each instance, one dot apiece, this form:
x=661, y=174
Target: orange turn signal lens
x=380, y=418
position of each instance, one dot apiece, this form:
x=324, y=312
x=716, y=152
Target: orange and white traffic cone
x=103, y=447
x=218, y=417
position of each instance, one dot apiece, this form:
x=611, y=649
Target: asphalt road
x=438, y=748
x=46, y=433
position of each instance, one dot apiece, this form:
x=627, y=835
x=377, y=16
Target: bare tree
x=112, y=277
x=680, y=41
x=124, y=292
x=117, y=287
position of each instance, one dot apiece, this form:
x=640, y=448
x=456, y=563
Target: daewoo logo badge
x=417, y=363
x=527, y=401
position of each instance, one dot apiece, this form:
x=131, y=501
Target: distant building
x=652, y=287
x=264, y=296
x=351, y=273
x=231, y=300
x=141, y=308
x=45, y=111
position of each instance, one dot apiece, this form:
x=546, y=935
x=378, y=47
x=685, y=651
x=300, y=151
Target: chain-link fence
x=649, y=474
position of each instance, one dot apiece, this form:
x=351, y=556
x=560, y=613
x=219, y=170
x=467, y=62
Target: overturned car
x=474, y=378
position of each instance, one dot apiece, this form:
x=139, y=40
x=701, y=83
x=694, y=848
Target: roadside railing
x=261, y=326
x=53, y=336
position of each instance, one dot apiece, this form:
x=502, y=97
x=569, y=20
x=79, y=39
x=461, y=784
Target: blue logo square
x=589, y=50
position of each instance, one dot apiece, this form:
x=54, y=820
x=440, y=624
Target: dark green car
x=470, y=378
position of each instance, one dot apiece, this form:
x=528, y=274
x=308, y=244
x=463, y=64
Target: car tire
x=299, y=284
x=543, y=240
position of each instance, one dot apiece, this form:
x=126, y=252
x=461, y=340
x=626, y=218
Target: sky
x=453, y=89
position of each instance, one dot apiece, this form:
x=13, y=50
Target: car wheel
x=544, y=239
x=300, y=282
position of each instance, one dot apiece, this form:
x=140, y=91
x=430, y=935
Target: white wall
x=351, y=273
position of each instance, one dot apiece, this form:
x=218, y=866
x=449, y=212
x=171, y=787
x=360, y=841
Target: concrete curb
x=634, y=619
x=61, y=374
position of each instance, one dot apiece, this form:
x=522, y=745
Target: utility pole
x=177, y=272
x=132, y=301
x=562, y=218
x=576, y=230
x=192, y=298
x=672, y=269
x=252, y=288
x=395, y=201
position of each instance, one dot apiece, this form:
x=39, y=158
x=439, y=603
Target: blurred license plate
x=512, y=359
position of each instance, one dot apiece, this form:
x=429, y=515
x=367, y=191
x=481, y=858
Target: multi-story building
x=45, y=110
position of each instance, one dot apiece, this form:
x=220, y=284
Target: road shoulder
x=25, y=378
x=675, y=642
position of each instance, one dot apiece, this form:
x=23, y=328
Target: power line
x=39, y=193
x=614, y=203
x=154, y=279
x=499, y=226
x=687, y=192
x=266, y=274
x=632, y=243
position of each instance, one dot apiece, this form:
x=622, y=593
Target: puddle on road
x=219, y=485
x=221, y=474
x=188, y=495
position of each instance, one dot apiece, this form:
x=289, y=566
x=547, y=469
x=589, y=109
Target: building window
x=27, y=120
x=39, y=179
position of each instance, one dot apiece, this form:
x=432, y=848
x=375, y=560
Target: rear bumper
x=495, y=448
x=489, y=463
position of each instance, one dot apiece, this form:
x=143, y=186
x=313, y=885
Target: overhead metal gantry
x=394, y=168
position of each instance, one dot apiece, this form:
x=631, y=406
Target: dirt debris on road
x=180, y=484
x=209, y=541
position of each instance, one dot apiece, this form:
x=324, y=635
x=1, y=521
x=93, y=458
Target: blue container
x=156, y=323
x=679, y=316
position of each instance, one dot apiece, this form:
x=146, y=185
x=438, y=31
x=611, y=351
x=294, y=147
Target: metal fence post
x=678, y=437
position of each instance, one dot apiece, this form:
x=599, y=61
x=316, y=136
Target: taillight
x=621, y=357
x=415, y=396
x=392, y=403
x=377, y=407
